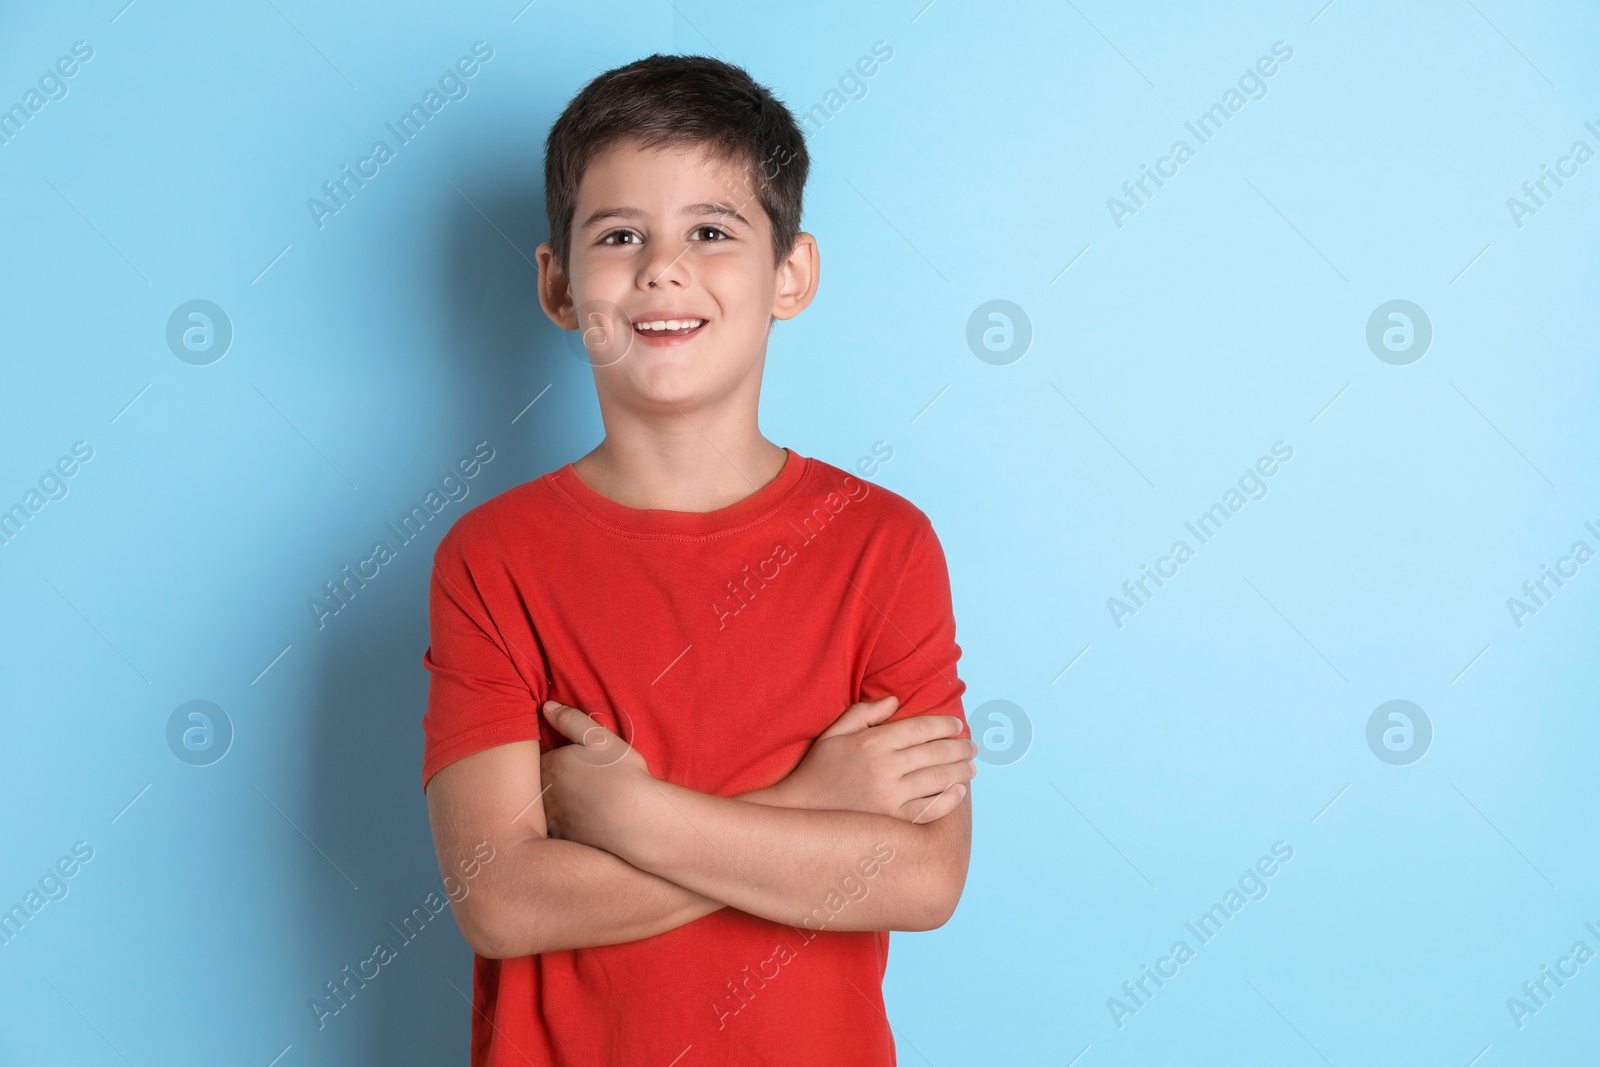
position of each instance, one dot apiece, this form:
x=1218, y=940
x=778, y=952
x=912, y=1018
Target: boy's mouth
x=667, y=328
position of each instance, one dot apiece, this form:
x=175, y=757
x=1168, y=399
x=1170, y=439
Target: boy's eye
x=720, y=236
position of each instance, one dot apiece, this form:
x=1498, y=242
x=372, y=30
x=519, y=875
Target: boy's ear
x=798, y=276
x=555, y=290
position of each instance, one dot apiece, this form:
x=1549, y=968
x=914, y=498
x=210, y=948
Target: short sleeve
x=914, y=654
x=477, y=698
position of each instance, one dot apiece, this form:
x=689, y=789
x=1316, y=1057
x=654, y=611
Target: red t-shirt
x=720, y=645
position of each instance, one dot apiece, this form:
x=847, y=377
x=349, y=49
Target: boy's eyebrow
x=712, y=207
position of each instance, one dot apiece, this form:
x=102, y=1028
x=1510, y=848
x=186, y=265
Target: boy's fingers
x=931, y=808
x=930, y=780
x=556, y=712
x=601, y=747
x=872, y=712
x=916, y=729
x=573, y=724
x=944, y=750
x=861, y=715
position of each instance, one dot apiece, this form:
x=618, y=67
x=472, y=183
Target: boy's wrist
x=642, y=829
x=779, y=795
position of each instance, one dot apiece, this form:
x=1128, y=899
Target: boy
x=668, y=845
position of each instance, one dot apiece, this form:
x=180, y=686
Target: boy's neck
x=680, y=472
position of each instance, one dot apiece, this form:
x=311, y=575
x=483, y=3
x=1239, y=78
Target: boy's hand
x=593, y=786
x=913, y=769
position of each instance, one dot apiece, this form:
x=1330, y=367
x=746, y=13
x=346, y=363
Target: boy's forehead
x=668, y=178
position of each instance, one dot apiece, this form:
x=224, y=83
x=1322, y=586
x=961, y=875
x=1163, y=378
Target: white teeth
x=669, y=324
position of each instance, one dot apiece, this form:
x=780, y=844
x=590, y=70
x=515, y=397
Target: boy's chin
x=670, y=387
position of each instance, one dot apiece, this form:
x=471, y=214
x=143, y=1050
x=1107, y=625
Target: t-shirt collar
x=652, y=522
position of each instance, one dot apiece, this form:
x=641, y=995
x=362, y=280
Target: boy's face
x=671, y=233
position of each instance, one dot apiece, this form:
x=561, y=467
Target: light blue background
x=1227, y=314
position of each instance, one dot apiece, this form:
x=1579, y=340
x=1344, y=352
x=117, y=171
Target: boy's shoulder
x=489, y=521
x=887, y=510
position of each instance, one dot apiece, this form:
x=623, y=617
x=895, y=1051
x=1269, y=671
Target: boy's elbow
x=952, y=850
x=940, y=893
x=942, y=905
x=474, y=917
x=947, y=906
x=930, y=912
x=491, y=930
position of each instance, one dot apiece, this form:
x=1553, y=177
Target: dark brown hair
x=680, y=100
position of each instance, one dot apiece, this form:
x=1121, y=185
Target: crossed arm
x=590, y=849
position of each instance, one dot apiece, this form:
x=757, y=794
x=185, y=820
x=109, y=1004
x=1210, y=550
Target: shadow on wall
x=401, y=970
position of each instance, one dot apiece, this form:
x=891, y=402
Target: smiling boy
x=699, y=691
